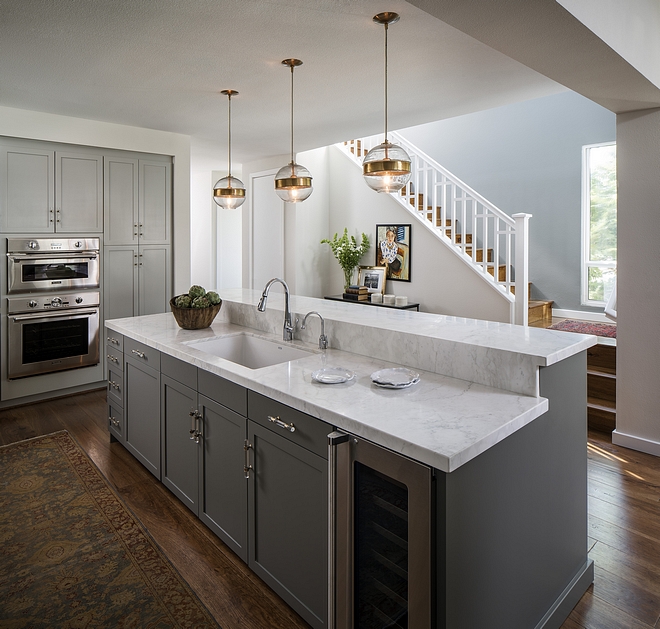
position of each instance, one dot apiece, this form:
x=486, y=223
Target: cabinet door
x=155, y=202
x=180, y=450
x=78, y=192
x=155, y=279
x=120, y=193
x=27, y=202
x=223, y=498
x=288, y=522
x=142, y=414
x=120, y=282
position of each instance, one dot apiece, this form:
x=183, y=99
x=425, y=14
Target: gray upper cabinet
x=120, y=201
x=78, y=192
x=27, y=182
x=138, y=201
x=155, y=202
x=46, y=191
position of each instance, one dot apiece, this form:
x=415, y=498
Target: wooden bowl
x=194, y=318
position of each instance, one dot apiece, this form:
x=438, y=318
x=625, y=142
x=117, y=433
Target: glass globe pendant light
x=229, y=192
x=386, y=167
x=293, y=182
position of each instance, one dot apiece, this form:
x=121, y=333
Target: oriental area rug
x=71, y=553
x=586, y=327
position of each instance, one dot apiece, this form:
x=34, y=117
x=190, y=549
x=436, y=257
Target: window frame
x=586, y=264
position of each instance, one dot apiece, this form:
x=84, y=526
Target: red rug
x=585, y=327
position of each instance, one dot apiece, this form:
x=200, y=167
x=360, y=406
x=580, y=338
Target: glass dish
x=395, y=378
x=332, y=375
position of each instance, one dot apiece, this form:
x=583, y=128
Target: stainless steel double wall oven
x=53, y=304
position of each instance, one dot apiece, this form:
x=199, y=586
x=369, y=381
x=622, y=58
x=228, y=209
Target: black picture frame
x=399, y=262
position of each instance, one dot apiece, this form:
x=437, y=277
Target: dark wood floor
x=624, y=526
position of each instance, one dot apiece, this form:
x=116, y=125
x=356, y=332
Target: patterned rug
x=585, y=327
x=73, y=556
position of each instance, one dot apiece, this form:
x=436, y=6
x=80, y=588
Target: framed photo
x=373, y=277
x=393, y=249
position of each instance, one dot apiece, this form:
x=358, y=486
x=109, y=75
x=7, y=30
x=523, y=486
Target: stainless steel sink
x=250, y=351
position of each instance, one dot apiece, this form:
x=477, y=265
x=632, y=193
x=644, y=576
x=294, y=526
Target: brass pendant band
x=292, y=183
x=229, y=192
x=386, y=167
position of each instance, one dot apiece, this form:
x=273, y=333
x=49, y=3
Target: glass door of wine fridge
x=382, y=537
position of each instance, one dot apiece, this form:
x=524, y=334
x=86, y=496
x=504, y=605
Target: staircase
x=493, y=244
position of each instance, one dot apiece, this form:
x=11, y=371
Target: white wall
x=638, y=290
x=527, y=157
x=36, y=125
x=312, y=264
x=630, y=28
x=441, y=282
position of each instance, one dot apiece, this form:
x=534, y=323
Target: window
x=598, y=223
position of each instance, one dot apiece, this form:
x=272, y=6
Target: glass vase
x=348, y=278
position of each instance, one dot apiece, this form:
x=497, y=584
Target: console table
x=368, y=303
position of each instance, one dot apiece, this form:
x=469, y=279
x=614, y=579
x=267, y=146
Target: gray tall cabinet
x=137, y=244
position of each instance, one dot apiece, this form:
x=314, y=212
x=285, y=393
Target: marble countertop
x=441, y=421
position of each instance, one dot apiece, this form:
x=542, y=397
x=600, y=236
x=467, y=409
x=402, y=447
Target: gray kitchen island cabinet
x=142, y=404
x=48, y=190
x=203, y=448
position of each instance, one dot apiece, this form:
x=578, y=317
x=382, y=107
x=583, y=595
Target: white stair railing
x=491, y=242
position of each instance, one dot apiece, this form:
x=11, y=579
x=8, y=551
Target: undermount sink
x=250, y=351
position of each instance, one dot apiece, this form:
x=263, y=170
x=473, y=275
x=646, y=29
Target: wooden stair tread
x=534, y=303
x=601, y=374
x=599, y=405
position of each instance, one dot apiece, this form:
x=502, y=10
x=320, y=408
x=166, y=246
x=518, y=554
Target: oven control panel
x=87, y=299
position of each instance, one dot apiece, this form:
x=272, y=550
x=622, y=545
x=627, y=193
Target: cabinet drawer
x=115, y=358
x=142, y=353
x=222, y=391
x=182, y=372
x=114, y=340
x=115, y=385
x=116, y=420
x=308, y=432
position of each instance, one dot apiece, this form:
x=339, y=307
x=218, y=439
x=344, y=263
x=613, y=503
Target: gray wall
x=527, y=157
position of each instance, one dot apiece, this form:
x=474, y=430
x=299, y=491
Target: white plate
x=396, y=377
x=332, y=375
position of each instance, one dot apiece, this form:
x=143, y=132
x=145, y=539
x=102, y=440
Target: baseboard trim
x=635, y=443
x=579, y=314
x=569, y=598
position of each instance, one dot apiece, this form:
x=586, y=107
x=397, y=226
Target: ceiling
x=161, y=64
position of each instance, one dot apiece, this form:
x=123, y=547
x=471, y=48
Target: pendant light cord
x=229, y=139
x=386, y=83
x=292, y=162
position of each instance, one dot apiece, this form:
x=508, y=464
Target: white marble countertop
x=441, y=421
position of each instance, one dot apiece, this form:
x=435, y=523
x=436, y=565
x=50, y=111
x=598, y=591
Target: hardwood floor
x=624, y=526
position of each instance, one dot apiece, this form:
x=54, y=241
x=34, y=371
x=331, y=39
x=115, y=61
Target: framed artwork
x=393, y=250
x=373, y=277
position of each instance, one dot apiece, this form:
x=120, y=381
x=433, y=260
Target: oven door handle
x=52, y=256
x=70, y=312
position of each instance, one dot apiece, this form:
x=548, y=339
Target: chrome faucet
x=323, y=339
x=287, y=333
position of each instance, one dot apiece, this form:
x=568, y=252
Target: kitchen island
x=499, y=418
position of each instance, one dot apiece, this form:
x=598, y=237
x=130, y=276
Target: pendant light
x=293, y=182
x=229, y=192
x=386, y=167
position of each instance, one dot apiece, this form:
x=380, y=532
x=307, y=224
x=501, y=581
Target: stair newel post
x=522, y=268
